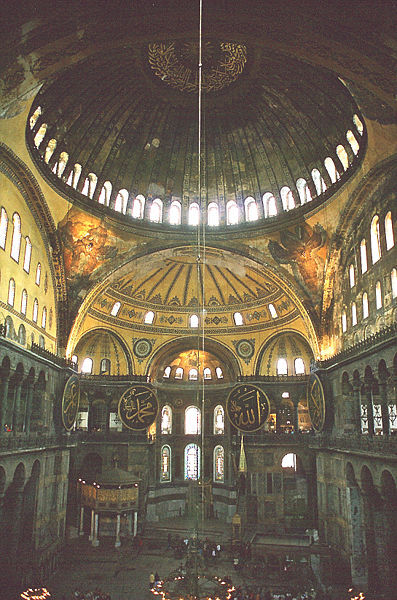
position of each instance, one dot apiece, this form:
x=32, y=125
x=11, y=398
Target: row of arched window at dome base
x=155, y=210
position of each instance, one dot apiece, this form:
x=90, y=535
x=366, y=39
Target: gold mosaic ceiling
x=176, y=281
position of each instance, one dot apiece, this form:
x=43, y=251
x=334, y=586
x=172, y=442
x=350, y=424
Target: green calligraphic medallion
x=316, y=402
x=138, y=407
x=70, y=402
x=247, y=407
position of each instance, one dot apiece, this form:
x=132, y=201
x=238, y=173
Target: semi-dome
x=119, y=132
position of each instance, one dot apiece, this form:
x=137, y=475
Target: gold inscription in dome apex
x=175, y=63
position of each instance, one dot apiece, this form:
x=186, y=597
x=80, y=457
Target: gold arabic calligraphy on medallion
x=70, y=402
x=316, y=402
x=247, y=407
x=138, y=407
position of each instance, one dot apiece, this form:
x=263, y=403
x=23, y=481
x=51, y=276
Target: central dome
x=119, y=131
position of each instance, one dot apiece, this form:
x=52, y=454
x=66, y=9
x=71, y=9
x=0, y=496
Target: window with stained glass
x=219, y=464
x=165, y=463
x=192, y=462
x=166, y=420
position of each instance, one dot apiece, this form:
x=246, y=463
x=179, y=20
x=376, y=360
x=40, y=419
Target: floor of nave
x=123, y=573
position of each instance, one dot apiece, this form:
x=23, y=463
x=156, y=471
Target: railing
x=274, y=378
x=109, y=436
x=114, y=378
x=8, y=441
x=58, y=360
x=383, y=335
x=377, y=444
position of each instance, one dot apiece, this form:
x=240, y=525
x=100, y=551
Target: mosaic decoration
x=175, y=63
x=138, y=407
x=247, y=407
x=142, y=348
x=70, y=402
x=245, y=349
x=316, y=402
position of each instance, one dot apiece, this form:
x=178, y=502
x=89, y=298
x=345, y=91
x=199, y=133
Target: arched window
x=352, y=279
x=354, y=314
x=269, y=205
x=219, y=373
x=363, y=256
x=389, y=231
x=194, y=214
x=106, y=192
x=28, y=255
x=39, y=137
x=192, y=421
x=289, y=462
x=175, y=213
x=22, y=335
x=138, y=207
x=115, y=309
x=179, y=373
x=331, y=168
x=44, y=317
x=272, y=311
x=166, y=420
x=231, y=213
x=74, y=176
x=49, y=151
x=16, y=237
x=86, y=367
x=120, y=204
x=104, y=367
x=303, y=190
x=357, y=122
x=193, y=374
x=251, y=209
x=365, y=305
x=41, y=342
x=375, y=240
x=194, y=321
x=318, y=181
x=344, y=321
x=213, y=214
x=238, y=318
x=165, y=464
x=35, y=312
x=219, y=420
x=156, y=211
x=287, y=198
x=282, y=366
x=393, y=277
x=192, y=462
x=378, y=295
x=24, y=302
x=149, y=317
x=86, y=187
x=63, y=161
x=342, y=155
x=11, y=292
x=207, y=373
x=219, y=464
x=299, y=366
x=38, y=274
x=3, y=228
x=167, y=372
x=352, y=141
x=34, y=117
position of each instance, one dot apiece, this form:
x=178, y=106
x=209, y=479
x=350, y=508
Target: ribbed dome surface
x=129, y=117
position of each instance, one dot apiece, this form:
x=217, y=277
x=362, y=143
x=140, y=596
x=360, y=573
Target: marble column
x=81, y=521
x=16, y=407
x=28, y=408
x=91, y=536
x=135, y=523
x=117, y=543
x=3, y=402
x=295, y=417
x=95, y=541
x=384, y=407
x=356, y=406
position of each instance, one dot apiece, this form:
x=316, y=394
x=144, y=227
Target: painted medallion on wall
x=70, y=402
x=142, y=348
x=138, y=407
x=247, y=407
x=316, y=402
